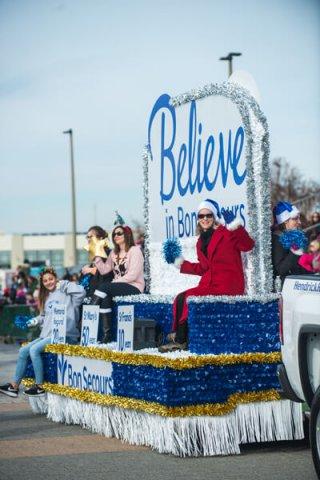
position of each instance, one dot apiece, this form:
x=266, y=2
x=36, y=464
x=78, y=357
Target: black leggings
x=179, y=305
x=115, y=289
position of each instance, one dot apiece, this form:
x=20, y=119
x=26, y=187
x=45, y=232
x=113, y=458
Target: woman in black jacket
x=288, y=241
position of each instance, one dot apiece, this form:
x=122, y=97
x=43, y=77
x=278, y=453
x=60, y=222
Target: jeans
x=34, y=350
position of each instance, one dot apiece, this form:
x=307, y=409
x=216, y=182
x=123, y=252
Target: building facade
x=51, y=248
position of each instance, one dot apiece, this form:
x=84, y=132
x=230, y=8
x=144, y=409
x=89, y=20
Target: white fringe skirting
x=181, y=436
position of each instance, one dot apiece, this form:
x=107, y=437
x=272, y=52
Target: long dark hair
x=99, y=231
x=128, y=238
x=43, y=291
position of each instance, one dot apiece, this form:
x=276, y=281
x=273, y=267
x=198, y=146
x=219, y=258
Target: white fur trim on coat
x=298, y=252
x=178, y=262
x=236, y=223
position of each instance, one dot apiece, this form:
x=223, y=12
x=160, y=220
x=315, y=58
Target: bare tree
x=288, y=183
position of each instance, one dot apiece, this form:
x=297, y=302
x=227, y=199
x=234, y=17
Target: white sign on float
x=85, y=374
x=125, y=328
x=198, y=152
x=89, y=325
x=59, y=320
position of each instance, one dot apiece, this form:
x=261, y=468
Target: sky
x=97, y=66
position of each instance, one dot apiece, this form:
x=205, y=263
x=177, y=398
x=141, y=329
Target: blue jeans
x=34, y=350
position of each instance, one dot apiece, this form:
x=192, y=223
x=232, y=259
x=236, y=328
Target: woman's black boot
x=182, y=333
x=180, y=342
x=106, y=319
x=95, y=300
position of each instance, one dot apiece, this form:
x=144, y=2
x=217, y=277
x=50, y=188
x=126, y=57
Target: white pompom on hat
x=284, y=211
x=212, y=206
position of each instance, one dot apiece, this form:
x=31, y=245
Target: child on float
x=126, y=263
x=287, y=241
x=91, y=277
x=95, y=235
x=51, y=292
x=219, y=265
x=311, y=261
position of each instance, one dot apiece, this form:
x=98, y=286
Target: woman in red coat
x=219, y=265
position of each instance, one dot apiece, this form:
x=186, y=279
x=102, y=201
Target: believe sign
x=198, y=152
x=211, y=143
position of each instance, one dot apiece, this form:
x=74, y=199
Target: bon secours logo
x=83, y=379
x=62, y=367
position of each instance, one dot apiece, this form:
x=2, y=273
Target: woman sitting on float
x=126, y=262
x=288, y=241
x=219, y=265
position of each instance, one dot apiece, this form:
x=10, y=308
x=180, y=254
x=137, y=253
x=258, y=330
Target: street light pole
x=229, y=58
x=73, y=199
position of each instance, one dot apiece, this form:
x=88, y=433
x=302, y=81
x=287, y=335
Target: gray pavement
x=32, y=447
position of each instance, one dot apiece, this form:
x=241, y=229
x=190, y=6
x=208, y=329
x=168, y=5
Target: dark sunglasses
x=118, y=234
x=205, y=215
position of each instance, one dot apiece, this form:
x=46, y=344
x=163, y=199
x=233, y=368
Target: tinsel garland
x=211, y=409
x=266, y=298
x=293, y=239
x=161, y=360
x=155, y=299
x=145, y=166
x=145, y=299
x=259, y=269
x=21, y=321
x=171, y=250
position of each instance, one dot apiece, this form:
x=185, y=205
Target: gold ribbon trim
x=211, y=409
x=158, y=361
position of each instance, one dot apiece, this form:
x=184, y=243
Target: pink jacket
x=133, y=267
x=310, y=261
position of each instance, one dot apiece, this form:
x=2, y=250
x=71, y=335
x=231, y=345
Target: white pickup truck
x=299, y=374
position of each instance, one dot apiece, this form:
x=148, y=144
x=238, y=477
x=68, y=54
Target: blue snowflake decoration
x=171, y=249
x=85, y=281
x=21, y=321
x=293, y=238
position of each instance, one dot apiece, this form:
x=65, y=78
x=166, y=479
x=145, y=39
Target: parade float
x=223, y=392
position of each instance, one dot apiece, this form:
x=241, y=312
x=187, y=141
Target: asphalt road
x=32, y=447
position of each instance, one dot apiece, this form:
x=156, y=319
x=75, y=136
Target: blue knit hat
x=283, y=211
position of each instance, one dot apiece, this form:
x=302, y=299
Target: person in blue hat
x=288, y=241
